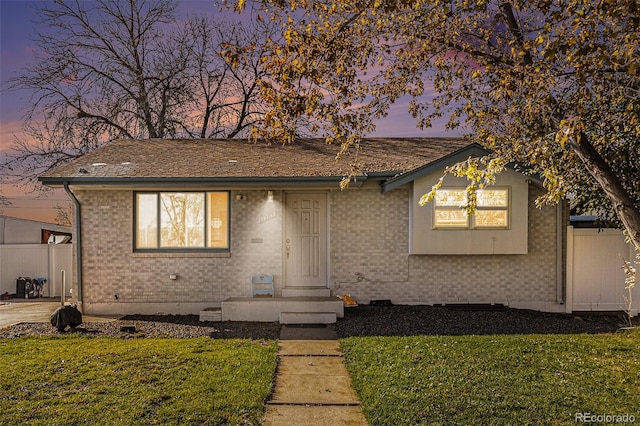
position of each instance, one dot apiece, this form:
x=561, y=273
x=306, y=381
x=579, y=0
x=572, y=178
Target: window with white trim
x=182, y=220
x=492, y=211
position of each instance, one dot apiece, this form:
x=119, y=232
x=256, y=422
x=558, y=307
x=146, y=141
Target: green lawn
x=504, y=380
x=528, y=379
x=76, y=380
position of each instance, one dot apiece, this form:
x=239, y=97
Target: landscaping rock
x=155, y=326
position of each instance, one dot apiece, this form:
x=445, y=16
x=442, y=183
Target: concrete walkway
x=312, y=386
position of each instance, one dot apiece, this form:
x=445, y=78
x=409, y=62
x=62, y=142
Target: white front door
x=305, y=242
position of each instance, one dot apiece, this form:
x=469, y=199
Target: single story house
x=178, y=226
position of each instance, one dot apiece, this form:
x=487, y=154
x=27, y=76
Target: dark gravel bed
x=438, y=320
x=358, y=321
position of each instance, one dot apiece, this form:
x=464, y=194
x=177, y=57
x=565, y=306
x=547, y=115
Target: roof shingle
x=235, y=158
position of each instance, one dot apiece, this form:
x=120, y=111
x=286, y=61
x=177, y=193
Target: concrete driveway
x=16, y=312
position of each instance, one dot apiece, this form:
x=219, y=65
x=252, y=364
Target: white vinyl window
x=182, y=220
x=492, y=209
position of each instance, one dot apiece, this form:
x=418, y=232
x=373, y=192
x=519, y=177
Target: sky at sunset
x=17, y=49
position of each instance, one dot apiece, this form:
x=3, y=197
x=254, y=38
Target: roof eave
x=59, y=181
x=472, y=150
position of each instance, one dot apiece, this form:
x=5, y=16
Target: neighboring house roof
x=14, y=230
x=239, y=161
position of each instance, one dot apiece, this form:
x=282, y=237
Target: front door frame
x=325, y=266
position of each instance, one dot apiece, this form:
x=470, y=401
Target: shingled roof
x=130, y=160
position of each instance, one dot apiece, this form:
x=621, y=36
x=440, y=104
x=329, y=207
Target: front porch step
x=306, y=292
x=308, y=317
x=270, y=309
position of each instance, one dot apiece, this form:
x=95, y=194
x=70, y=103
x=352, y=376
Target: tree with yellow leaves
x=551, y=85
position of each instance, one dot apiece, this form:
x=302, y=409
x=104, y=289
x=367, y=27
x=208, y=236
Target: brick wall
x=370, y=260
x=117, y=280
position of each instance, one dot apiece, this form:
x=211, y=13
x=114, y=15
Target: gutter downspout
x=78, y=243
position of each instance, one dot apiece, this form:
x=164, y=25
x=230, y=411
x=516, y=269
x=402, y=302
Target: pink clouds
x=17, y=50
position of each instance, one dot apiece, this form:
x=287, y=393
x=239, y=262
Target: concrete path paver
x=328, y=385
x=313, y=415
x=309, y=347
x=312, y=385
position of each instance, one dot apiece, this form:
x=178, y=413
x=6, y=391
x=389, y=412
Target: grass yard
x=506, y=379
x=76, y=380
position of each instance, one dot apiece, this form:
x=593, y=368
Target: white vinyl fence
x=36, y=261
x=595, y=278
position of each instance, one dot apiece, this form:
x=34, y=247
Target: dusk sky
x=17, y=49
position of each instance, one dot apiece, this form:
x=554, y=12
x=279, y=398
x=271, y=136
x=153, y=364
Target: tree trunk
x=623, y=205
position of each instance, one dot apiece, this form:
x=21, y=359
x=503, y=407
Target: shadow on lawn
x=402, y=320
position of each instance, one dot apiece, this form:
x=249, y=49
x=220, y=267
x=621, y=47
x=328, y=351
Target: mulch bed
x=397, y=320
x=394, y=320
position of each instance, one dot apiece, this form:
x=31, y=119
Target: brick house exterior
x=371, y=245
x=381, y=268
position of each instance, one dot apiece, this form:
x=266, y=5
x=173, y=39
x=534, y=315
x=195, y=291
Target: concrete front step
x=270, y=309
x=307, y=317
x=305, y=291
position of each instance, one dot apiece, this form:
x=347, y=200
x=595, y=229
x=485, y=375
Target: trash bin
x=21, y=287
x=66, y=316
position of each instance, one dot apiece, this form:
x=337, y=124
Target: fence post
x=569, y=265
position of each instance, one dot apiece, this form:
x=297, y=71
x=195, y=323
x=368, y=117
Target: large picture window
x=492, y=209
x=182, y=220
